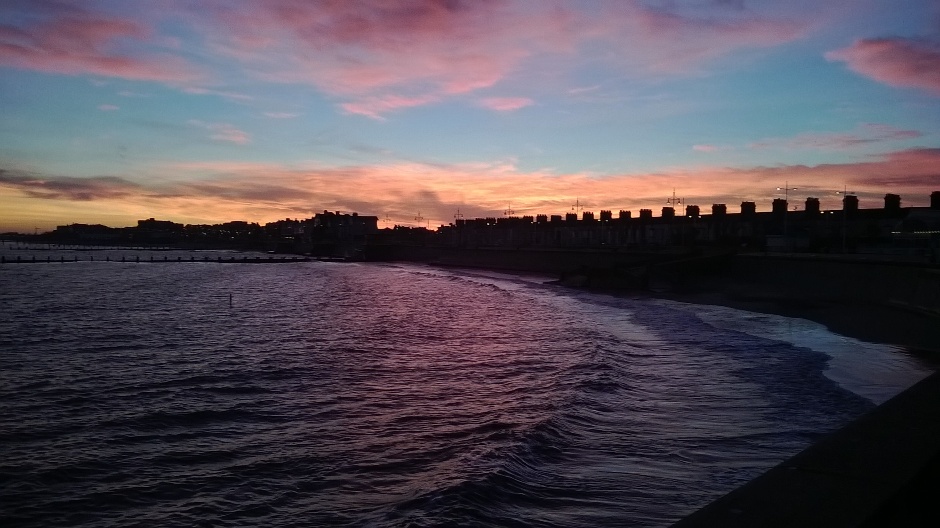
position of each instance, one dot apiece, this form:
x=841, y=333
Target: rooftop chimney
x=850, y=204
x=812, y=206
x=892, y=202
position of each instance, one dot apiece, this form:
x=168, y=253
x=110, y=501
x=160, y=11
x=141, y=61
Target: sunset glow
x=210, y=111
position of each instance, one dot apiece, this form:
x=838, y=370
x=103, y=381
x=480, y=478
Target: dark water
x=380, y=395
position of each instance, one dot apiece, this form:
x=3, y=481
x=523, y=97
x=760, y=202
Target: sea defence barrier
x=880, y=470
x=784, y=277
x=815, y=278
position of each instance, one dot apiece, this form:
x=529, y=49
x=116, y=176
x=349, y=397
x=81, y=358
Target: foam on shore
x=874, y=371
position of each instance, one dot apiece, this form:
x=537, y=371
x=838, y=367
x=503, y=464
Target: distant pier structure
x=62, y=259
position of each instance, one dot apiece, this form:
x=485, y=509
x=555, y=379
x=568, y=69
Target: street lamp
x=845, y=193
x=786, y=203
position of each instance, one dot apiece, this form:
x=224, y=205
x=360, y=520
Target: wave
x=386, y=395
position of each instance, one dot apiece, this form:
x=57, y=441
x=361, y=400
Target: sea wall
x=555, y=261
x=756, y=276
x=816, y=279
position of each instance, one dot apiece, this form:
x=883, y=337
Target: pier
x=151, y=260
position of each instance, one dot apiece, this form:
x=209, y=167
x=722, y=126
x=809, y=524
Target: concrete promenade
x=883, y=469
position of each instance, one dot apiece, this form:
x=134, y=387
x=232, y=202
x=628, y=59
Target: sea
x=207, y=393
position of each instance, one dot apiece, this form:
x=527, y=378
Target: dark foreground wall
x=881, y=470
x=810, y=279
x=538, y=260
x=799, y=278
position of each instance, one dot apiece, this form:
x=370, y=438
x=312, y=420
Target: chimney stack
x=812, y=206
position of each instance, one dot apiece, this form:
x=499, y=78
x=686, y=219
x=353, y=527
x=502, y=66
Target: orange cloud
x=899, y=62
x=217, y=192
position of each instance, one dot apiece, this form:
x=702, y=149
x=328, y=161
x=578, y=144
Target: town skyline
x=206, y=112
x=674, y=208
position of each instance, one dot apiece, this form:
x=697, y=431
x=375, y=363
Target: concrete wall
x=839, y=280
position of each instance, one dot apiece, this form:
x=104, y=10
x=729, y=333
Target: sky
x=417, y=111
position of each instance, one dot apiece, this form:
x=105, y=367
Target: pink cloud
x=506, y=104
x=281, y=115
x=232, y=96
x=583, y=89
x=669, y=41
x=705, y=148
x=67, y=40
x=223, y=132
x=864, y=134
x=375, y=107
x=108, y=107
x=370, y=50
x=899, y=62
x=265, y=192
x=364, y=53
x=360, y=48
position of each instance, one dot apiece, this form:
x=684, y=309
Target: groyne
x=880, y=470
x=151, y=260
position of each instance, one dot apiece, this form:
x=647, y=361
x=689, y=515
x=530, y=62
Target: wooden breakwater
x=165, y=260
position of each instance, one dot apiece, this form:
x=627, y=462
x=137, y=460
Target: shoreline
x=916, y=332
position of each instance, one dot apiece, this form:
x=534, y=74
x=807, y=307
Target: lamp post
x=674, y=202
x=786, y=209
x=845, y=193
